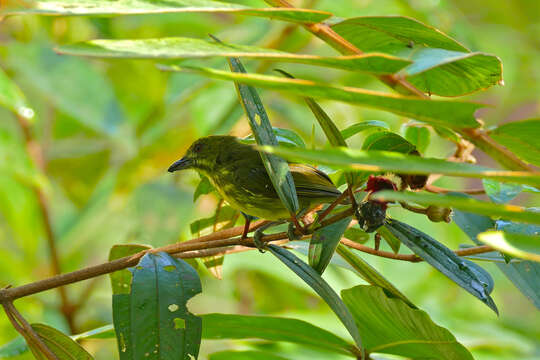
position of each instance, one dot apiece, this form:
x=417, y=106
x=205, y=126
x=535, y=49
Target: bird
x=237, y=172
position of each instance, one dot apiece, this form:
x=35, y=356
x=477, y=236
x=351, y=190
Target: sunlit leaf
x=388, y=141
x=518, y=245
x=12, y=97
x=521, y=137
x=363, y=126
x=500, y=192
x=244, y=355
x=418, y=136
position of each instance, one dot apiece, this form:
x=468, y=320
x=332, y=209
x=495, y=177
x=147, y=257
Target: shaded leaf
x=285, y=137
x=500, y=192
x=518, y=245
x=153, y=318
x=465, y=273
x=316, y=282
x=204, y=187
x=324, y=242
x=521, y=137
x=388, y=141
x=393, y=241
x=13, y=348
x=60, y=344
x=393, y=327
x=12, y=97
x=190, y=48
x=363, y=126
x=121, y=279
x=509, y=212
x=384, y=161
x=453, y=114
x=418, y=136
x=132, y=7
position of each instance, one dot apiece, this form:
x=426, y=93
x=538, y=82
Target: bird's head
x=203, y=153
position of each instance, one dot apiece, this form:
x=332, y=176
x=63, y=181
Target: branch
x=439, y=190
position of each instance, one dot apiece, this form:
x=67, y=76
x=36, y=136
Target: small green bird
x=238, y=173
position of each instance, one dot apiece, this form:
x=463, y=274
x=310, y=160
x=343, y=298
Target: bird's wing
x=312, y=183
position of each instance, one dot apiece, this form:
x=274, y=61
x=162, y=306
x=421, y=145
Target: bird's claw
x=291, y=233
x=257, y=240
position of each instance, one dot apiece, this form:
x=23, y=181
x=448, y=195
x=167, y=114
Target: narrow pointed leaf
x=508, y=212
x=393, y=241
x=321, y=287
x=60, y=344
x=277, y=168
x=521, y=137
x=244, y=355
x=134, y=7
x=452, y=114
x=103, y=332
x=519, y=245
x=465, y=273
x=384, y=161
x=190, y=48
x=324, y=242
x=12, y=97
x=393, y=327
x=363, y=126
x=153, y=318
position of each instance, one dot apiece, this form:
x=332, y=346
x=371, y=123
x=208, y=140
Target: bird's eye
x=197, y=148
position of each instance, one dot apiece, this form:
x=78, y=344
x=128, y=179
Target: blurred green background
x=109, y=130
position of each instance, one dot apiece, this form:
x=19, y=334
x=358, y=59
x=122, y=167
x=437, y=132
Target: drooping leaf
x=521, y=137
x=393, y=327
x=316, y=282
x=519, y=245
x=509, y=212
x=60, y=344
x=121, y=279
x=204, y=187
x=244, y=355
x=133, y=7
x=465, y=273
x=363, y=126
x=453, y=114
x=12, y=97
x=388, y=141
x=500, y=192
x=277, y=168
x=418, y=136
x=153, y=318
x=228, y=326
x=190, y=48
x=383, y=161
x=393, y=34
x=324, y=242
x=370, y=274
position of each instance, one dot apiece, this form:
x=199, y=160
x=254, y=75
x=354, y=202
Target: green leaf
x=121, y=279
x=229, y=326
x=388, y=141
x=393, y=327
x=393, y=34
x=60, y=344
x=285, y=137
x=224, y=215
x=356, y=235
x=370, y=274
x=521, y=137
x=324, y=242
x=277, y=168
x=500, y=192
x=12, y=97
x=526, y=274
x=453, y=114
x=393, y=241
x=153, y=318
x=134, y=7
x=453, y=73
x=508, y=212
x=519, y=245
x=363, y=126
x=384, y=161
x=316, y=282
x=204, y=187
x=103, y=332
x=189, y=48
x=465, y=273
x=418, y=136
x=243, y=355
x=13, y=348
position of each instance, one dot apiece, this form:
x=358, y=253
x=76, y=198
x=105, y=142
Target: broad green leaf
x=447, y=134
x=224, y=215
x=363, y=126
x=153, y=318
x=277, y=168
x=393, y=241
x=133, y=7
x=285, y=137
x=244, y=355
x=453, y=73
x=508, y=212
x=522, y=246
x=521, y=137
x=228, y=326
x=12, y=97
x=121, y=279
x=60, y=344
x=388, y=141
x=393, y=34
x=189, y=48
x=465, y=273
x=526, y=274
x=452, y=114
x=500, y=192
x=324, y=242
x=357, y=235
x=13, y=348
x=393, y=327
x=204, y=187
x=384, y=161
x=418, y=136
x=370, y=274
x=321, y=287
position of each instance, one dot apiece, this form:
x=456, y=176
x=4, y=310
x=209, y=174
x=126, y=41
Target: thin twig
x=439, y=190
x=413, y=209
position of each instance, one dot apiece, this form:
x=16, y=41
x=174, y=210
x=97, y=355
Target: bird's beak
x=181, y=164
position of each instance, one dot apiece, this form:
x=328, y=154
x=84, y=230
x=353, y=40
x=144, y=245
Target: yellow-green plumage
x=237, y=172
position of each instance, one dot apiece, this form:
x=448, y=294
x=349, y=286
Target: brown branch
x=439, y=190
x=413, y=209
x=23, y=327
